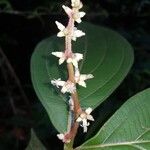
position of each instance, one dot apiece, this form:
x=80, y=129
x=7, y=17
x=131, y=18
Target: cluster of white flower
x=67, y=86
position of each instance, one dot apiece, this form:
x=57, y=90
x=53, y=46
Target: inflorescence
x=70, y=32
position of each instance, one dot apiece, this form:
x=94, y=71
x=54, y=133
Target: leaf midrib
x=113, y=144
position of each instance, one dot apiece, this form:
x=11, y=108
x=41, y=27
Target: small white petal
x=88, y=110
x=74, y=38
x=75, y=63
x=84, y=129
x=60, y=26
x=60, y=34
x=78, y=20
x=85, y=77
x=79, y=119
x=82, y=14
x=78, y=56
x=64, y=89
x=82, y=83
x=77, y=72
x=67, y=10
x=60, y=136
x=61, y=60
x=90, y=76
x=61, y=55
x=80, y=5
x=58, y=82
x=90, y=117
x=78, y=33
x=84, y=122
x=78, y=15
x=61, y=83
x=53, y=82
x=58, y=54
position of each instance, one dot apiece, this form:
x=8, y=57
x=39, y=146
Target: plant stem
x=77, y=108
x=74, y=95
x=71, y=134
x=68, y=146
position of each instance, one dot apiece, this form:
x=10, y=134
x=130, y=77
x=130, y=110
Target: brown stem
x=74, y=95
x=77, y=108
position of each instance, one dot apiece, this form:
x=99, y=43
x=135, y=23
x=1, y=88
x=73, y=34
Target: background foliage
x=23, y=24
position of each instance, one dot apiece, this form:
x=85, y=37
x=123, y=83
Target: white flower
x=84, y=117
x=61, y=136
x=76, y=4
x=78, y=15
x=66, y=86
x=74, y=13
x=63, y=31
x=85, y=127
x=58, y=82
x=74, y=58
x=80, y=78
x=77, y=33
x=60, y=55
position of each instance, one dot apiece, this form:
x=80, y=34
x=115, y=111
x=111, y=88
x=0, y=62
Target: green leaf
x=107, y=55
x=35, y=143
x=127, y=129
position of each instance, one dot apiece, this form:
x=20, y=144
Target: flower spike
x=70, y=32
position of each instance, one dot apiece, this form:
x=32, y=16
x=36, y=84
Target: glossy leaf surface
x=127, y=129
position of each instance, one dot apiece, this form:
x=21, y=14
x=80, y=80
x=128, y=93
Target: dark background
x=24, y=23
